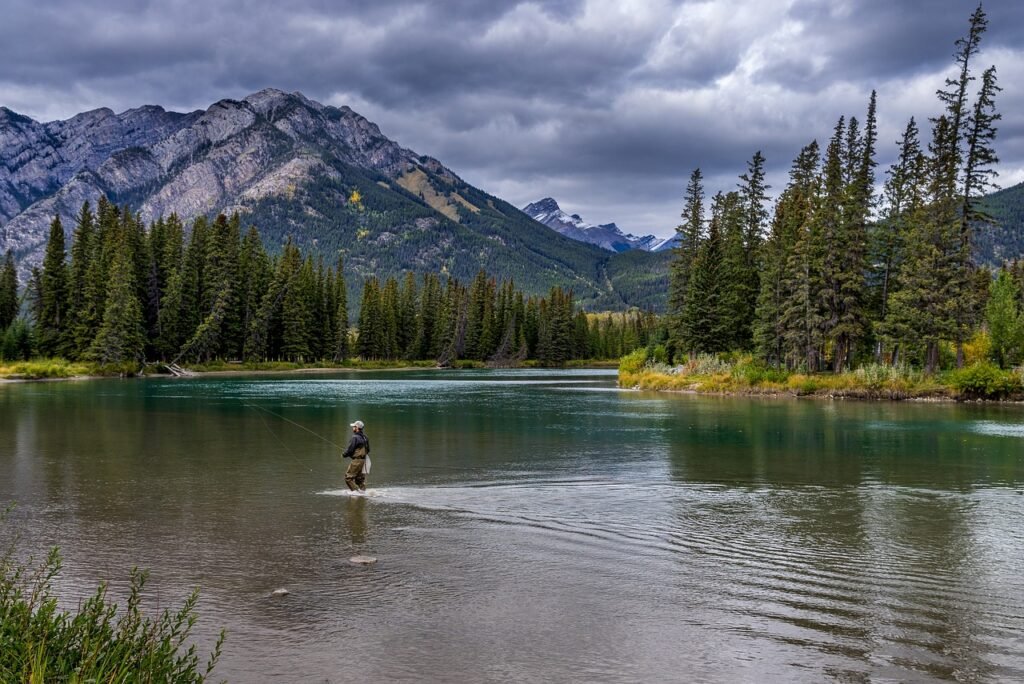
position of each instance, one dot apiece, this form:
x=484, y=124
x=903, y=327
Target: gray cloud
x=605, y=105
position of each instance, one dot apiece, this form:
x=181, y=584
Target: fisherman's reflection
x=355, y=514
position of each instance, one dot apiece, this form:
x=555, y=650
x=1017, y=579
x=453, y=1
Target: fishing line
x=281, y=442
x=301, y=427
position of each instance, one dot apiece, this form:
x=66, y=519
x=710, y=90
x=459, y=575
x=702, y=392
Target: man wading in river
x=358, y=450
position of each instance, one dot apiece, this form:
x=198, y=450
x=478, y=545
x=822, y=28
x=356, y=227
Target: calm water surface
x=536, y=526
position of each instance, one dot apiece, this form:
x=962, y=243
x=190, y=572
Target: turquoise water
x=536, y=526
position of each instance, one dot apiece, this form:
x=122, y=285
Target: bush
x=985, y=381
x=755, y=372
x=633, y=362
x=41, y=643
x=659, y=354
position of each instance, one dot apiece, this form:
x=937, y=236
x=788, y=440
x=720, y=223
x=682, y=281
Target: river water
x=536, y=526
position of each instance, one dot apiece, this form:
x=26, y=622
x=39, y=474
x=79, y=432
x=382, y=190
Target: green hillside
x=1004, y=239
x=441, y=224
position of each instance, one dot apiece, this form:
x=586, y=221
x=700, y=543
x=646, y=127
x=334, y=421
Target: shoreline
x=822, y=387
x=16, y=378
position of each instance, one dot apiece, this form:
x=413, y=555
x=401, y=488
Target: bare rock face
x=224, y=158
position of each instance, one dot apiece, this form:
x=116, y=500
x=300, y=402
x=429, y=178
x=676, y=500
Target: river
x=536, y=526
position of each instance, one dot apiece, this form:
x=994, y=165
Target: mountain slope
x=324, y=176
x=1004, y=239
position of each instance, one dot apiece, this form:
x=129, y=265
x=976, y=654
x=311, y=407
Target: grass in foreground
x=712, y=375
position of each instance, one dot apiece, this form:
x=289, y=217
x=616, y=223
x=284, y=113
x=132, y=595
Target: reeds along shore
x=744, y=375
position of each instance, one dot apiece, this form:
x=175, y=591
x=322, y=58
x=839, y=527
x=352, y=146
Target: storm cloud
x=606, y=106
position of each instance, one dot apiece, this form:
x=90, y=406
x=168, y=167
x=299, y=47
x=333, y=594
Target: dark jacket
x=358, y=440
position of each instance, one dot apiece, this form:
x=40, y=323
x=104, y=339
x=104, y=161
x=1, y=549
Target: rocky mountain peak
x=607, y=235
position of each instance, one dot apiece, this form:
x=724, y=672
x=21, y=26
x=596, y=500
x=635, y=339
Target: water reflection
x=624, y=536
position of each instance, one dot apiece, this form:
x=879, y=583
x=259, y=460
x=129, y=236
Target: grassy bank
x=713, y=375
x=42, y=369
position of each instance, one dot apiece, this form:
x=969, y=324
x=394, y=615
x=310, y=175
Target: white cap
x=357, y=424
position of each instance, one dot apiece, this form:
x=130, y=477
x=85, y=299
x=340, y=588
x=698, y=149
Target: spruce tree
x=407, y=317
x=8, y=291
x=51, y=318
x=704, y=317
x=371, y=342
x=792, y=215
x=121, y=337
x=341, y=341
x=684, y=254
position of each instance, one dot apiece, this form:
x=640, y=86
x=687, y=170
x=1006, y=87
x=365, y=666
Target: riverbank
x=744, y=377
x=61, y=369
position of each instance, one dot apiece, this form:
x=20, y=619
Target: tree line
x=837, y=275
x=131, y=293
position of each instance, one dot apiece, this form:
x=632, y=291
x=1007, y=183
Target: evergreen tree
x=255, y=275
x=51, y=318
x=371, y=343
x=904, y=198
x=8, y=291
x=389, y=318
x=689, y=233
x=121, y=337
x=341, y=341
x=82, y=248
x=407, y=317
x=737, y=276
x=792, y=215
x=704, y=319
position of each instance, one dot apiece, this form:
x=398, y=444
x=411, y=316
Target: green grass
x=713, y=375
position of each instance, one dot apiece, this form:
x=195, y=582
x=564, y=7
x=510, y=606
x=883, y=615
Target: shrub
x=985, y=381
x=39, y=642
x=633, y=362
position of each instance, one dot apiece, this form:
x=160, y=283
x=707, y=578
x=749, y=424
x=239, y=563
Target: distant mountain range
x=607, y=236
x=324, y=176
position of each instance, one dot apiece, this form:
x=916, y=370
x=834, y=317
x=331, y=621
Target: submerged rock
x=363, y=560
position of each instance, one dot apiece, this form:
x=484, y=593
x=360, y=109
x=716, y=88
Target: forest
x=131, y=294
x=838, y=276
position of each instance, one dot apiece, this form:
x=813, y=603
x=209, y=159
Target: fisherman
x=358, y=449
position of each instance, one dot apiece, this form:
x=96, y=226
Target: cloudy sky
x=606, y=106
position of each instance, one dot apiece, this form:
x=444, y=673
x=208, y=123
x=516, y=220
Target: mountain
x=1003, y=240
x=607, y=236
x=323, y=176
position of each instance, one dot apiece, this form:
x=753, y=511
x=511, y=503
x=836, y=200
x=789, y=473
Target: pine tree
x=904, y=198
x=689, y=233
x=792, y=215
x=121, y=337
x=8, y=291
x=802, y=311
x=407, y=317
x=704, y=318
x=371, y=342
x=341, y=340
x=297, y=313
x=736, y=293
x=389, y=318
x=255, y=275
x=51, y=318
x=82, y=248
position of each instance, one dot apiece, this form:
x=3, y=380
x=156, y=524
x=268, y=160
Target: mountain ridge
x=322, y=176
x=607, y=235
